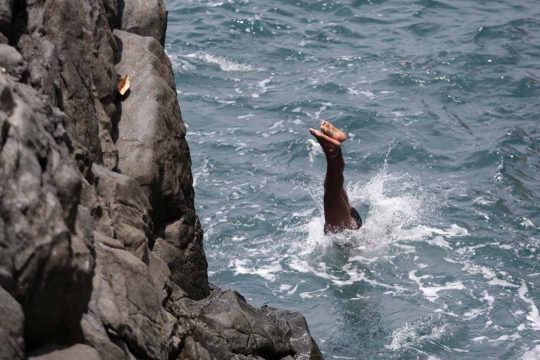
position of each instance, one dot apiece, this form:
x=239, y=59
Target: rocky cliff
x=101, y=253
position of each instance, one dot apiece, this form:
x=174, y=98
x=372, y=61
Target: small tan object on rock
x=123, y=84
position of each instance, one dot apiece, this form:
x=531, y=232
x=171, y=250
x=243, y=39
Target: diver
x=339, y=215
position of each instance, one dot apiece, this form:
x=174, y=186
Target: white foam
x=362, y=259
x=473, y=314
x=533, y=316
x=314, y=148
x=397, y=206
x=482, y=201
x=224, y=64
x=367, y=94
x=180, y=64
x=284, y=287
x=321, y=109
x=407, y=249
x=293, y=290
x=307, y=294
x=431, y=292
x=527, y=223
x=440, y=242
x=267, y=272
x=532, y=354
x=478, y=269
x=250, y=115
x=304, y=267
x=500, y=282
x=407, y=336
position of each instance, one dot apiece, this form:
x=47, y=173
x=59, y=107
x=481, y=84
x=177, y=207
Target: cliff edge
x=101, y=252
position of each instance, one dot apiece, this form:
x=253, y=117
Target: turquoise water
x=440, y=101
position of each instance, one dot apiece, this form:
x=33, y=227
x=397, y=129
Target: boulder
x=125, y=300
x=79, y=352
x=182, y=250
x=143, y=17
x=304, y=346
x=6, y=13
x=11, y=324
x=12, y=62
x=120, y=211
x=224, y=326
x=153, y=150
x=160, y=274
x=47, y=261
x=109, y=347
x=151, y=133
x=102, y=256
x=71, y=56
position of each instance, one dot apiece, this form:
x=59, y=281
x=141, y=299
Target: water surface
x=440, y=101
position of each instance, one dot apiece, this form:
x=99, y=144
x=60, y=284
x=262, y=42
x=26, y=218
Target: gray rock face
x=304, y=346
x=46, y=260
x=100, y=264
x=11, y=326
x=126, y=302
x=182, y=250
x=68, y=37
x=6, y=11
x=224, y=326
x=143, y=17
x=156, y=154
x=120, y=211
x=79, y=352
x=12, y=62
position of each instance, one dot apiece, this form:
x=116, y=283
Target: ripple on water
x=439, y=103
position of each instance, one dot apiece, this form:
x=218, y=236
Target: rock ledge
x=101, y=250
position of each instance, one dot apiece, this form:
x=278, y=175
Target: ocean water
x=440, y=101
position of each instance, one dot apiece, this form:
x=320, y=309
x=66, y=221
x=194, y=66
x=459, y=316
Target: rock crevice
x=101, y=250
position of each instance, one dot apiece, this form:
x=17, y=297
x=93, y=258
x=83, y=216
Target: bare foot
x=330, y=146
x=333, y=132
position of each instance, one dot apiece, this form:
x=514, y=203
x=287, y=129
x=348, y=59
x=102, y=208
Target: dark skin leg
x=336, y=202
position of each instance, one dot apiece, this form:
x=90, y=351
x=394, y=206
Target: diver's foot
x=333, y=132
x=330, y=146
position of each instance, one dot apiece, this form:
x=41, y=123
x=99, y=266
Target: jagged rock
x=151, y=133
x=46, y=263
x=176, y=336
x=182, y=250
x=79, y=352
x=304, y=346
x=143, y=17
x=126, y=301
x=88, y=255
x=11, y=323
x=43, y=66
x=160, y=273
x=71, y=56
x=12, y=62
x=111, y=11
x=224, y=326
x=194, y=351
x=6, y=13
x=95, y=334
x=120, y=209
x=153, y=150
x=62, y=24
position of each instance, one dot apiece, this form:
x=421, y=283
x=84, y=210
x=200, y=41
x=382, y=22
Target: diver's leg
x=344, y=194
x=336, y=206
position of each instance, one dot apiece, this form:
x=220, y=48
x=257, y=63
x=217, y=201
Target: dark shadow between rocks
x=120, y=14
x=115, y=133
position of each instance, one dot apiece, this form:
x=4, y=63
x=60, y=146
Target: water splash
x=393, y=207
